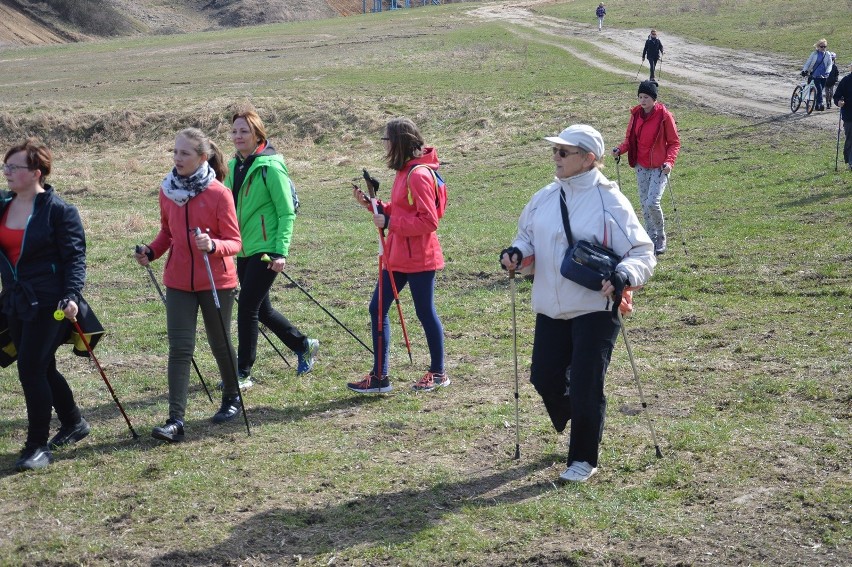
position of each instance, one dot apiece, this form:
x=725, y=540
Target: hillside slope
x=26, y=22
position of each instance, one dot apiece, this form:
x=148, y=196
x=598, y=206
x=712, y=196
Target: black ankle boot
x=230, y=409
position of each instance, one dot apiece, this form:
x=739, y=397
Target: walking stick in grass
x=224, y=328
x=372, y=185
x=154, y=281
x=59, y=314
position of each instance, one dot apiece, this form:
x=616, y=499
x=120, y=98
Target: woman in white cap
x=652, y=144
x=575, y=330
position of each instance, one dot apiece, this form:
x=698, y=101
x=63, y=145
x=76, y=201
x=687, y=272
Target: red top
x=11, y=240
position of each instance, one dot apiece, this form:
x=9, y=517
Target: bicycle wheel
x=796, y=99
x=810, y=99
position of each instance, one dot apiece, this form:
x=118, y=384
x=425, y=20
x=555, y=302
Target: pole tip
x=517, y=452
x=659, y=453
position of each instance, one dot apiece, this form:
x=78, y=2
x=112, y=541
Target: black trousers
x=847, y=144
x=44, y=387
x=653, y=64
x=572, y=355
x=254, y=306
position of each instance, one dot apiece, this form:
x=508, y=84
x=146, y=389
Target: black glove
x=804, y=73
x=141, y=250
x=620, y=281
x=511, y=251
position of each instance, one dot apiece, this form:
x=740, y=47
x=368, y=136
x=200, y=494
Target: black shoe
x=231, y=408
x=33, y=457
x=172, y=431
x=68, y=434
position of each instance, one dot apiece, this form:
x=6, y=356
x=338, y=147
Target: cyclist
x=818, y=66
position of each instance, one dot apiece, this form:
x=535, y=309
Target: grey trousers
x=181, y=321
x=652, y=183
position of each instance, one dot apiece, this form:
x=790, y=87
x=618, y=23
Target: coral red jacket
x=213, y=210
x=651, y=140
x=412, y=244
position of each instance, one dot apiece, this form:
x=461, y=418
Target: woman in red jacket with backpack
x=412, y=253
x=652, y=144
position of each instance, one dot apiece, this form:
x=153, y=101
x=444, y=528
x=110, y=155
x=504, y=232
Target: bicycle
x=805, y=92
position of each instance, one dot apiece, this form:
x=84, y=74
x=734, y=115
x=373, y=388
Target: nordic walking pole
x=618, y=172
x=639, y=385
x=677, y=215
x=163, y=298
x=224, y=329
x=59, y=314
x=636, y=78
x=837, y=151
x=372, y=190
x=515, y=352
x=266, y=258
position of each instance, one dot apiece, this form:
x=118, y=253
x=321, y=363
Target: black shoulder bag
x=585, y=263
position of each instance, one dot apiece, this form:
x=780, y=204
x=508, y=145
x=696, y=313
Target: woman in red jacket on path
x=412, y=252
x=652, y=145
x=192, y=196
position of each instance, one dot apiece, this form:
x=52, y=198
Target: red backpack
x=440, y=189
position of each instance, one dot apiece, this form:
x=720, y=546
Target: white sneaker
x=578, y=472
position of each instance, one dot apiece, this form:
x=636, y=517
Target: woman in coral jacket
x=652, y=145
x=412, y=252
x=192, y=196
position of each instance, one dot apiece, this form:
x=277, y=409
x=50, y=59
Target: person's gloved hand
x=510, y=252
x=804, y=73
x=619, y=281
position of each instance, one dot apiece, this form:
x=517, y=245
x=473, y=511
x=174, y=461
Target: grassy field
x=741, y=338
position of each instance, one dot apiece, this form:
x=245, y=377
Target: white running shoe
x=578, y=471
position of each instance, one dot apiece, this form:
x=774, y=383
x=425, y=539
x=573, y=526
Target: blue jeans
x=577, y=352
x=422, y=286
x=819, y=83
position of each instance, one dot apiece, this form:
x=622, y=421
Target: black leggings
x=44, y=387
x=254, y=306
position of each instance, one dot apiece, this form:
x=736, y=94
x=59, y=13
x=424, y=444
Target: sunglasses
x=822, y=46
x=565, y=153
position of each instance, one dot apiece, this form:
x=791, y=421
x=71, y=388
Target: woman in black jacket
x=653, y=51
x=43, y=268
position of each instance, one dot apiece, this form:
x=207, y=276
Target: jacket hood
x=429, y=157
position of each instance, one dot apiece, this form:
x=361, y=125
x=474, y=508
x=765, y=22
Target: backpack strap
x=408, y=182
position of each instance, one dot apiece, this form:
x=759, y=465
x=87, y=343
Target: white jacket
x=599, y=213
x=812, y=62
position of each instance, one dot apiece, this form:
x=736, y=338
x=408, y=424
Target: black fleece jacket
x=52, y=264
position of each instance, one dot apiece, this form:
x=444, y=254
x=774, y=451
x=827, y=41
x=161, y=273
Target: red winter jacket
x=411, y=244
x=211, y=209
x=651, y=140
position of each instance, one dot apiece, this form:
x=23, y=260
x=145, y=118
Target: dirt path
x=744, y=84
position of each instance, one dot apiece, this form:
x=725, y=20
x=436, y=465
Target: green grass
x=741, y=339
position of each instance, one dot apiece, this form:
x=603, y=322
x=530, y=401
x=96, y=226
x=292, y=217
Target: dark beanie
x=649, y=88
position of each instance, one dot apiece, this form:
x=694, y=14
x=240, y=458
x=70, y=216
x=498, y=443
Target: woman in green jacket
x=261, y=188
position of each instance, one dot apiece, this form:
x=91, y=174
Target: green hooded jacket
x=264, y=204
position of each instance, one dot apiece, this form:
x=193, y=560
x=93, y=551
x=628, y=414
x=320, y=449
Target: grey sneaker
x=306, y=357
